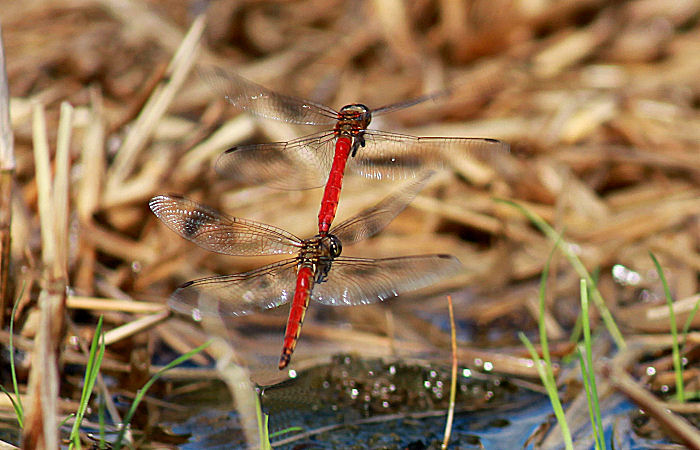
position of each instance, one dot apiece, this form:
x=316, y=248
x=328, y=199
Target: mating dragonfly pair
x=318, y=271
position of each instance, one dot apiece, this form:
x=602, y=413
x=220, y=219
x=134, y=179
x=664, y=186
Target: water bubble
x=625, y=276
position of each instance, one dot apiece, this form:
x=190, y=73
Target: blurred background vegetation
x=597, y=99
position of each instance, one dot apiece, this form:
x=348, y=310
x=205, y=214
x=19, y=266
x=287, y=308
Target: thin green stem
x=576, y=263
x=101, y=418
x=587, y=390
x=689, y=320
x=590, y=372
x=17, y=401
x=92, y=369
x=263, y=430
x=677, y=366
x=547, y=377
x=544, y=342
x=142, y=392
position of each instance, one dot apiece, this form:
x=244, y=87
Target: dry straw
x=598, y=101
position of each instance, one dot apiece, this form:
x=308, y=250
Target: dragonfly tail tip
x=285, y=358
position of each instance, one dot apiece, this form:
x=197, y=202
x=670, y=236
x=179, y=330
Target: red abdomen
x=331, y=194
x=302, y=293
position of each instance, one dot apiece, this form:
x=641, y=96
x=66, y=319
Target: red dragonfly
x=321, y=158
x=317, y=272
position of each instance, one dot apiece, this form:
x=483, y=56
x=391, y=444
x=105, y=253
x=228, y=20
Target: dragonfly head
x=357, y=112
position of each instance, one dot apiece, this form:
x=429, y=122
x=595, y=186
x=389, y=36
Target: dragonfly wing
x=219, y=233
x=263, y=102
x=372, y=220
x=303, y=163
x=410, y=102
x=239, y=294
x=356, y=281
x=399, y=156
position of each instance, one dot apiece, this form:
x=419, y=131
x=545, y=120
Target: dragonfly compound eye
x=335, y=246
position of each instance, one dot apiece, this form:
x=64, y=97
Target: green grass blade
x=101, y=416
x=587, y=389
x=577, y=331
x=590, y=372
x=92, y=369
x=546, y=374
x=19, y=409
x=263, y=431
x=576, y=263
x=64, y=421
x=689, y=321
x=287, y=430
x=15, y=405
x=142, y=392
x=547, y=377
x=677, y=366
x=544, y=342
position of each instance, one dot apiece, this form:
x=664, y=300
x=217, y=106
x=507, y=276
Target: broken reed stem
x=43, y=184
x=41, y=430
x=5, y=239
x=60, y=191
x=7, y=168
x=89, y=189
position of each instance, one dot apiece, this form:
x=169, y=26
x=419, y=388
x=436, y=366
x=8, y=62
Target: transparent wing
x=216, y=232
x=372, y=220
x=239, y=294
x=410, y=102
x=263, y=102
x=398, y=156
x=303, y=163
x=355, y=281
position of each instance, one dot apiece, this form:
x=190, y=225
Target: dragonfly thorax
x=327, y=246
x=357, y=114
x=319, y=253
x=353, y=120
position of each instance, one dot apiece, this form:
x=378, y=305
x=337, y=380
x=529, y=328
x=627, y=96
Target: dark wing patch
x=219, y=233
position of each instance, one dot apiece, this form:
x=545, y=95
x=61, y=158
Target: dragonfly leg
x=357, y=142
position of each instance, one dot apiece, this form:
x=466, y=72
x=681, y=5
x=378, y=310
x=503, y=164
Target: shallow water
x=315, y=401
